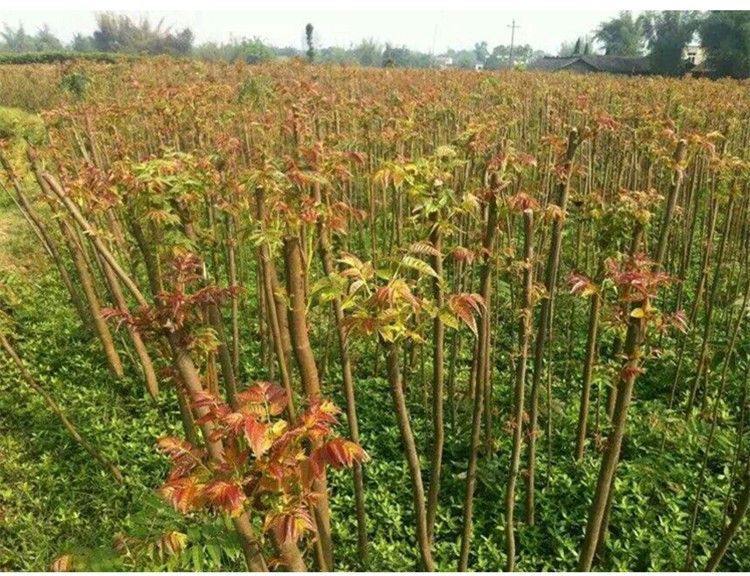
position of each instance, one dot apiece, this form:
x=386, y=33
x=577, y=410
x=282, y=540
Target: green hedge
x=54, y=57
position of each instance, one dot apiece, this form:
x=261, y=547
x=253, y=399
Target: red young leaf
x=174, y=447
x=184, y=456
x=184, y=494
x=339, y=453
x=293, y=525
x=225, y=495
x=255, y=433
x=461, y=254
x=466, y=306
x=264, y=395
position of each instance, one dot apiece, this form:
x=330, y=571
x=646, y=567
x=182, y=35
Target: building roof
x=593, y=62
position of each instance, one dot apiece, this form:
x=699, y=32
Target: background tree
x=481, y=52
x=580, y=47
x=118, y=33
x=667, y=33
x=566, y=49
x=16, y=40
x=45, y=40
x=82, y=43
x=621, y=36
x=725, y=35
x=402, y=57
x=309, y=41
x=498, y=58
x=368, y=53
x=501, y=55
x=254, y=51
x=336, y=55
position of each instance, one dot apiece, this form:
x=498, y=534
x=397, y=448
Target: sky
x=424, y=30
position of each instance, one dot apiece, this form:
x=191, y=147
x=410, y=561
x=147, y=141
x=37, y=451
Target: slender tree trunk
x=614, y=443
x=149, y=257
x=635, y=245
x=481, y=360
x=705, y=262
x=274, y=320
x=234, y=284
x=348, y=385
x=92, y=299
x=588, y=370
x=674, y=192
x=712, y=428
x=543, y=329
x=710, y=301
x=410, y=451
x=295, y=272
x=225, y=359
x=149, y=374
x=598, y=521
x=438, y=354
x=524, y=330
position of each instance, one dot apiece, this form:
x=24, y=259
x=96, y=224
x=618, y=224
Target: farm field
x=296, y=316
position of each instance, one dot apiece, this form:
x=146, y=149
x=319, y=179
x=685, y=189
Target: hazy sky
x=418, y=29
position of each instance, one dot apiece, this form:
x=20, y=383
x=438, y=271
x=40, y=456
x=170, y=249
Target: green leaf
x=197, y=558
x=215, y=553
x=637, y=313
x=449, y=319
x=419, y=265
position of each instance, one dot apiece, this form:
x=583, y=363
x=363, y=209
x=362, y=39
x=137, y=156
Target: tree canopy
x=725, y=35
x=621, y=36
x=667, y=33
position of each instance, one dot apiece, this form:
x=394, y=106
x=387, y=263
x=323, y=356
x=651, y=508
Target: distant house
x=696, y=65
x=693, y=55
x=591, y=63
x=444, y=62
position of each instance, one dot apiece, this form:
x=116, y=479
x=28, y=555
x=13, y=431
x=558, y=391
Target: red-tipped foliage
x=265, y=458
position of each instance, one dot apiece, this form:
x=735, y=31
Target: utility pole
x=432, y=49
x=512, y=40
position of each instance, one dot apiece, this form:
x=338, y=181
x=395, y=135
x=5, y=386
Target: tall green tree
x=725, y=35
x=82, y=43
x=254, y=51
x=16, y=40
x=482, y=52
x=402, y=57
x=46, y=41
x=578, y=48
x=118, y=33
x=667, y=33
x=501, y=56
x=566, y=49
x=621, y=36
x=368, y=53
x=309, y=41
